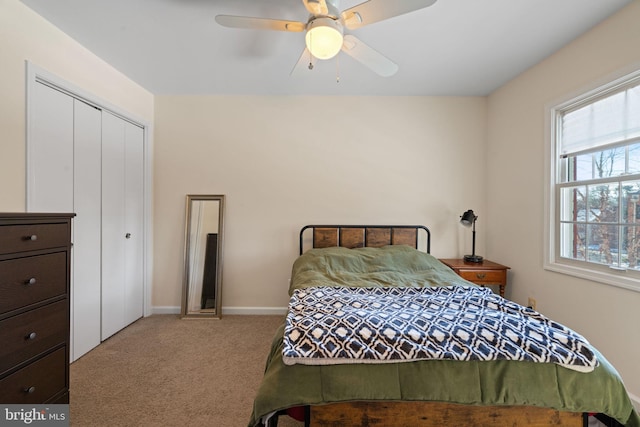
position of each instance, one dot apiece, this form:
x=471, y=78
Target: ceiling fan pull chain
x=337, y=70
x=310, y=55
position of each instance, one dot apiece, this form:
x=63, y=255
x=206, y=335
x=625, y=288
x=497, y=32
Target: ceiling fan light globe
x=324, y=38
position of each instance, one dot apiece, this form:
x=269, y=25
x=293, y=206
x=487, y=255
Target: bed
x=450, y=390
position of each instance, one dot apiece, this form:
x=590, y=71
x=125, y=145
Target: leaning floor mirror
x=202, y=286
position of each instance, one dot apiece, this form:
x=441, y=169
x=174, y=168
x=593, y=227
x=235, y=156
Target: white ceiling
x=455, y=47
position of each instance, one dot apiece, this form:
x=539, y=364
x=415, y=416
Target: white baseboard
x=246, y=311
x=165, y=310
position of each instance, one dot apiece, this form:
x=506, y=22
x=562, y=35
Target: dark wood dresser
x=35, y=271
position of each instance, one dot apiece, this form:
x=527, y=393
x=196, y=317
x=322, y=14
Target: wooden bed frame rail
x=434, y=414
x=360, y=236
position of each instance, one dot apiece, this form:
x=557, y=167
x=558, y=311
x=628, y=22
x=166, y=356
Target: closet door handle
x=127, y=236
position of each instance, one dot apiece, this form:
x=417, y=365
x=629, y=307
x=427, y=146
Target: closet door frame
x=37, y=75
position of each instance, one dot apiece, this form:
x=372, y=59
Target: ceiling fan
x=324, y=30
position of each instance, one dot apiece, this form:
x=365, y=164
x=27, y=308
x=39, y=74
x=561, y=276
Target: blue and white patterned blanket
x=338, y=325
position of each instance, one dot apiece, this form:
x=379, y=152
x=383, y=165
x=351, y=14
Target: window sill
x=618, y=278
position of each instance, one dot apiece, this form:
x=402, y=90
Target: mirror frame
x=217, y=313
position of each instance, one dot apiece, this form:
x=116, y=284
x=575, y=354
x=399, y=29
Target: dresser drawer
x=47, y=274
x=31, y=333
x=488, y=277
x=29, y=237
x=38, y=382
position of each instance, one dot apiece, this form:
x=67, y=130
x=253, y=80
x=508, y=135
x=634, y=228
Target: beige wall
x=608, y=316
x=284, y=162
x=24, y=36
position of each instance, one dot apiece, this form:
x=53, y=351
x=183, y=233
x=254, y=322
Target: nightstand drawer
x=31, y=237
x=488, y=277
x=38, y=382
x=31, y=333
x=24, y=281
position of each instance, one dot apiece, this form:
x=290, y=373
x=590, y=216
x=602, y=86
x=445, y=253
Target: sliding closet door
x=134, y=223
x=50, y=151
x=85, y=291
x=63, y=175
x=122, y=236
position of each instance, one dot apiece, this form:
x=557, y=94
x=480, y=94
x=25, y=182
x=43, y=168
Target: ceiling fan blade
x=377, y=10
x=316, y=7
x=305, y=63
x=249, y=23
x=369, y=57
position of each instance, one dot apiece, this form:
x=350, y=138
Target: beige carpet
x=164, y=371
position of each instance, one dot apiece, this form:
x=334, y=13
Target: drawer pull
x=481, y=275
x=31, y=281
x=33, y=237
x=30, y=390
x=31, y=336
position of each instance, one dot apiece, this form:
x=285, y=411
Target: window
x=595, y=194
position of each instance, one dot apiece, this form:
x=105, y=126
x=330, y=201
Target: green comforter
x=472, y=383
x=371, y=267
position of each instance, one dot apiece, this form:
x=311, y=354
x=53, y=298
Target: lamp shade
x=467, y=219
x=324, y=38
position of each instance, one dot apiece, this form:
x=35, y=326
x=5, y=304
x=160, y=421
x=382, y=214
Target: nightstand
x=481, y=273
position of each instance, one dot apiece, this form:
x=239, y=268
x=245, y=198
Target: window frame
x=623, y=278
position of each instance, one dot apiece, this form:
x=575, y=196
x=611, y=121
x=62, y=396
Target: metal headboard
x=358, y=236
